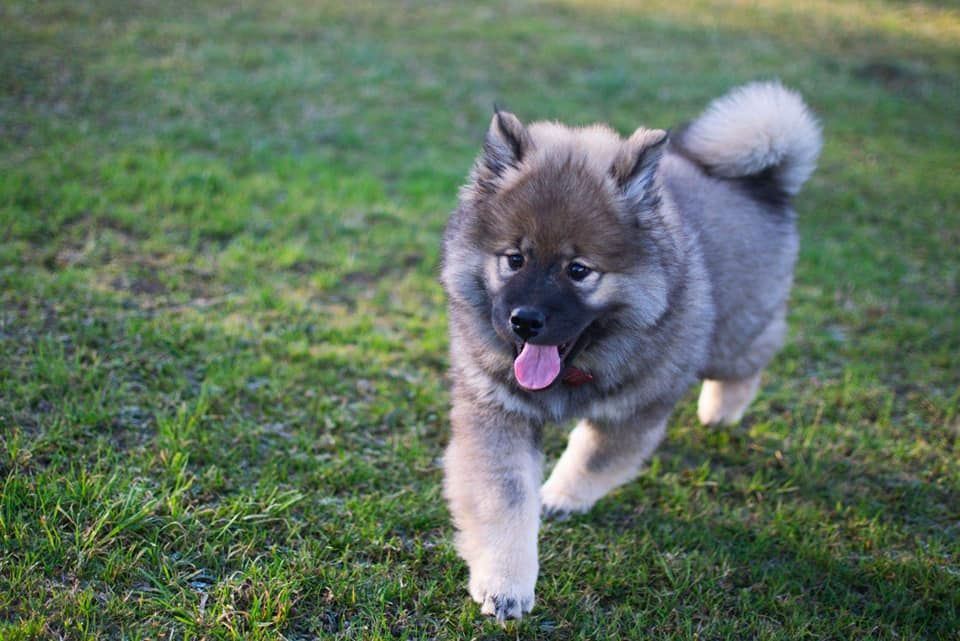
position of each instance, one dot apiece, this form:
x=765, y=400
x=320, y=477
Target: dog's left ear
x=635, y=166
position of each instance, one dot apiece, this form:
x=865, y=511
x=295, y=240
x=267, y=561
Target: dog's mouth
x=537, y=366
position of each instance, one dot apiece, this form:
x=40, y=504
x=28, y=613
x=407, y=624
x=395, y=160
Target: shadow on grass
x=753, y=573
x=861, y=550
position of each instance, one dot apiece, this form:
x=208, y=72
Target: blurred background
x=223, y=341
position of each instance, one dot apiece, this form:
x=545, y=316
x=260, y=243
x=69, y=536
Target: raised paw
x=555, y=513
x=559, y=505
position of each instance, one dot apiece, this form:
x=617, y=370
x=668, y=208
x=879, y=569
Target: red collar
x=575, y=377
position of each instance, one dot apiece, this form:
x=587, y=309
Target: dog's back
x=732, y=173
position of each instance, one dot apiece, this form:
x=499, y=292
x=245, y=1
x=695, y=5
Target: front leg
x=600, y=456
x=493, y=469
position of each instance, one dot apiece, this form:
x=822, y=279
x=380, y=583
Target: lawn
x=223, y=339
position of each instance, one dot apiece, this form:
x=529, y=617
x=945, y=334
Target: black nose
x=527, y=322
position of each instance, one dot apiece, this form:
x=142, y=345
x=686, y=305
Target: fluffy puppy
x=597, y=277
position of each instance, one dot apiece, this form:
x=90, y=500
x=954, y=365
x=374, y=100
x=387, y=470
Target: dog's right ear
x=507, y=142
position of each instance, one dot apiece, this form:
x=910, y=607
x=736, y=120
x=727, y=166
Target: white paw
x=559, y=502
x=501, y=598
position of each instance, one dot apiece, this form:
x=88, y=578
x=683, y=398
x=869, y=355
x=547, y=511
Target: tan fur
x=724, y=402
x=577, y=482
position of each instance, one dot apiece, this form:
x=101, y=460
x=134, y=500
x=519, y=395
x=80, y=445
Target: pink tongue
x=537, y=366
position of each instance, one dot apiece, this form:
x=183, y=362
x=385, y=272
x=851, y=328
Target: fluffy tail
x=756, y=128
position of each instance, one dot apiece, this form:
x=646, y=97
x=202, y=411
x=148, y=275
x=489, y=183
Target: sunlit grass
x=809, y=22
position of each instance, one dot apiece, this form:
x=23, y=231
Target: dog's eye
x=576, y=271
x=515, y=261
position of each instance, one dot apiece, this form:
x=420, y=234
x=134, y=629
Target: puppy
x=597, y=277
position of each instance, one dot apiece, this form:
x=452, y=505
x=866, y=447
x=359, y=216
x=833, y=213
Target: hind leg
x=723, y=401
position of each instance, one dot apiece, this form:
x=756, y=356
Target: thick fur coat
x=595, y=277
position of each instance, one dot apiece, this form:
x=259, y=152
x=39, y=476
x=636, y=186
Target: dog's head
x=564, y=228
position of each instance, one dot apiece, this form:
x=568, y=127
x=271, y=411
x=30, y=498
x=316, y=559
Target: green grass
x=223, y=343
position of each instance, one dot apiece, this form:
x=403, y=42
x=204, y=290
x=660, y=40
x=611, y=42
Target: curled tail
x=761, y=128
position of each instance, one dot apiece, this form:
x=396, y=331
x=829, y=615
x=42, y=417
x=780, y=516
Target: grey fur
x=691, y=275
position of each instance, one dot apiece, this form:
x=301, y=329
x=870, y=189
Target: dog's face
x=555, y=249
x=562, y=243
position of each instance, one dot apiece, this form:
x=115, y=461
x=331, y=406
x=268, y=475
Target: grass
x=222, y=338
